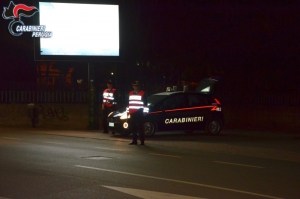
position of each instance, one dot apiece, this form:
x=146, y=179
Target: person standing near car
x=136, y=108
x=109, y=104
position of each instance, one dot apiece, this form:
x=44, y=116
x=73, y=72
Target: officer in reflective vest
x=109, y=104
x=136, y=108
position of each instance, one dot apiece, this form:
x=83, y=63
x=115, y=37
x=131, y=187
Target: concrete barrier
x=75, y=117
x=51, y=115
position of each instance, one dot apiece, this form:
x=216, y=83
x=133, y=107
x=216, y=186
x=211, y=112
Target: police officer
x=137, y=103
x=109, y=104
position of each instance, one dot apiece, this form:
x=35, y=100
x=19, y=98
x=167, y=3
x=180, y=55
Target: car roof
x=176, y=92
x=168, y=93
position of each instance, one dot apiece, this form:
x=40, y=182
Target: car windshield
x=154, y=99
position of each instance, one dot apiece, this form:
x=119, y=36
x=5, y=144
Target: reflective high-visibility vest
x=136, y=102
x=108, y=98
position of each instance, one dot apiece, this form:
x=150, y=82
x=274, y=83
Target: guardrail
x=291, y=99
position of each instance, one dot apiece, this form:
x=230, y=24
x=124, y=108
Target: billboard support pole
x=93, y=101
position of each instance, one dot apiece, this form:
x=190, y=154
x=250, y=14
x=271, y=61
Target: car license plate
x=111, y=124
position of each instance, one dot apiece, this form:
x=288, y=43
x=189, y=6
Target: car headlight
x=125, y=116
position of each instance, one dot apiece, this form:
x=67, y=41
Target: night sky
x=244, y=41
x=230, y=35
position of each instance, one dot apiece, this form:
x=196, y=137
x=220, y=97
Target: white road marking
x=10, y=138
x=123, y=150
x=179, y=181
x=149, y=194
x=53, y=142
x=244, y=165
x=172, y=156
x=98, y=158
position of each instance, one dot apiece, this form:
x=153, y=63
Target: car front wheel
x=149, y=129
x=213, y=127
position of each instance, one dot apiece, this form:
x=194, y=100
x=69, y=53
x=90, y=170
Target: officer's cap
x=135, y=83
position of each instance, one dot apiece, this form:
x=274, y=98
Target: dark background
x=254, y=45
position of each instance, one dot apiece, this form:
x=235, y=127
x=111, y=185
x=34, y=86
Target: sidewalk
x=239, y=142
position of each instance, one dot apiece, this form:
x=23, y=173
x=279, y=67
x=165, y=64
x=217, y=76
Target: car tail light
x=218, y=102
x=217, y=105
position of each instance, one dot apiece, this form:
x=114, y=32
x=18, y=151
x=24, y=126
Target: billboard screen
x=78, y=31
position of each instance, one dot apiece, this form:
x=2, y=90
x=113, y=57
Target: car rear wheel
x=213, y=127
x=149, y=129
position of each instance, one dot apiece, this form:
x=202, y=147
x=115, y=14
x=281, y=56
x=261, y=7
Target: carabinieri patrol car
x=176, y=110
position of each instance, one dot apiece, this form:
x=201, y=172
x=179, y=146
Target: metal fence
x=43, y=97
x=290, y=99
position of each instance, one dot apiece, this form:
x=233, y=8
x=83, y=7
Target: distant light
x=112, y=73
x=79, y=81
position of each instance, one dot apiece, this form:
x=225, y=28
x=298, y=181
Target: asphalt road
x=75, y=164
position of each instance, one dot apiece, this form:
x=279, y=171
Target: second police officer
x=109, y=104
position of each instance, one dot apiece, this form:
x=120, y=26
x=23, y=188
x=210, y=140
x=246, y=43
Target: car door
x=198, y=109
x=174, y=108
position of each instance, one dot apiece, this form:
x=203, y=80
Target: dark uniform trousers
x=105, y=113
x=136, y=125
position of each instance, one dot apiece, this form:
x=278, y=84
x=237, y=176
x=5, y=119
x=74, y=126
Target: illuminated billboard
x=79, y=31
